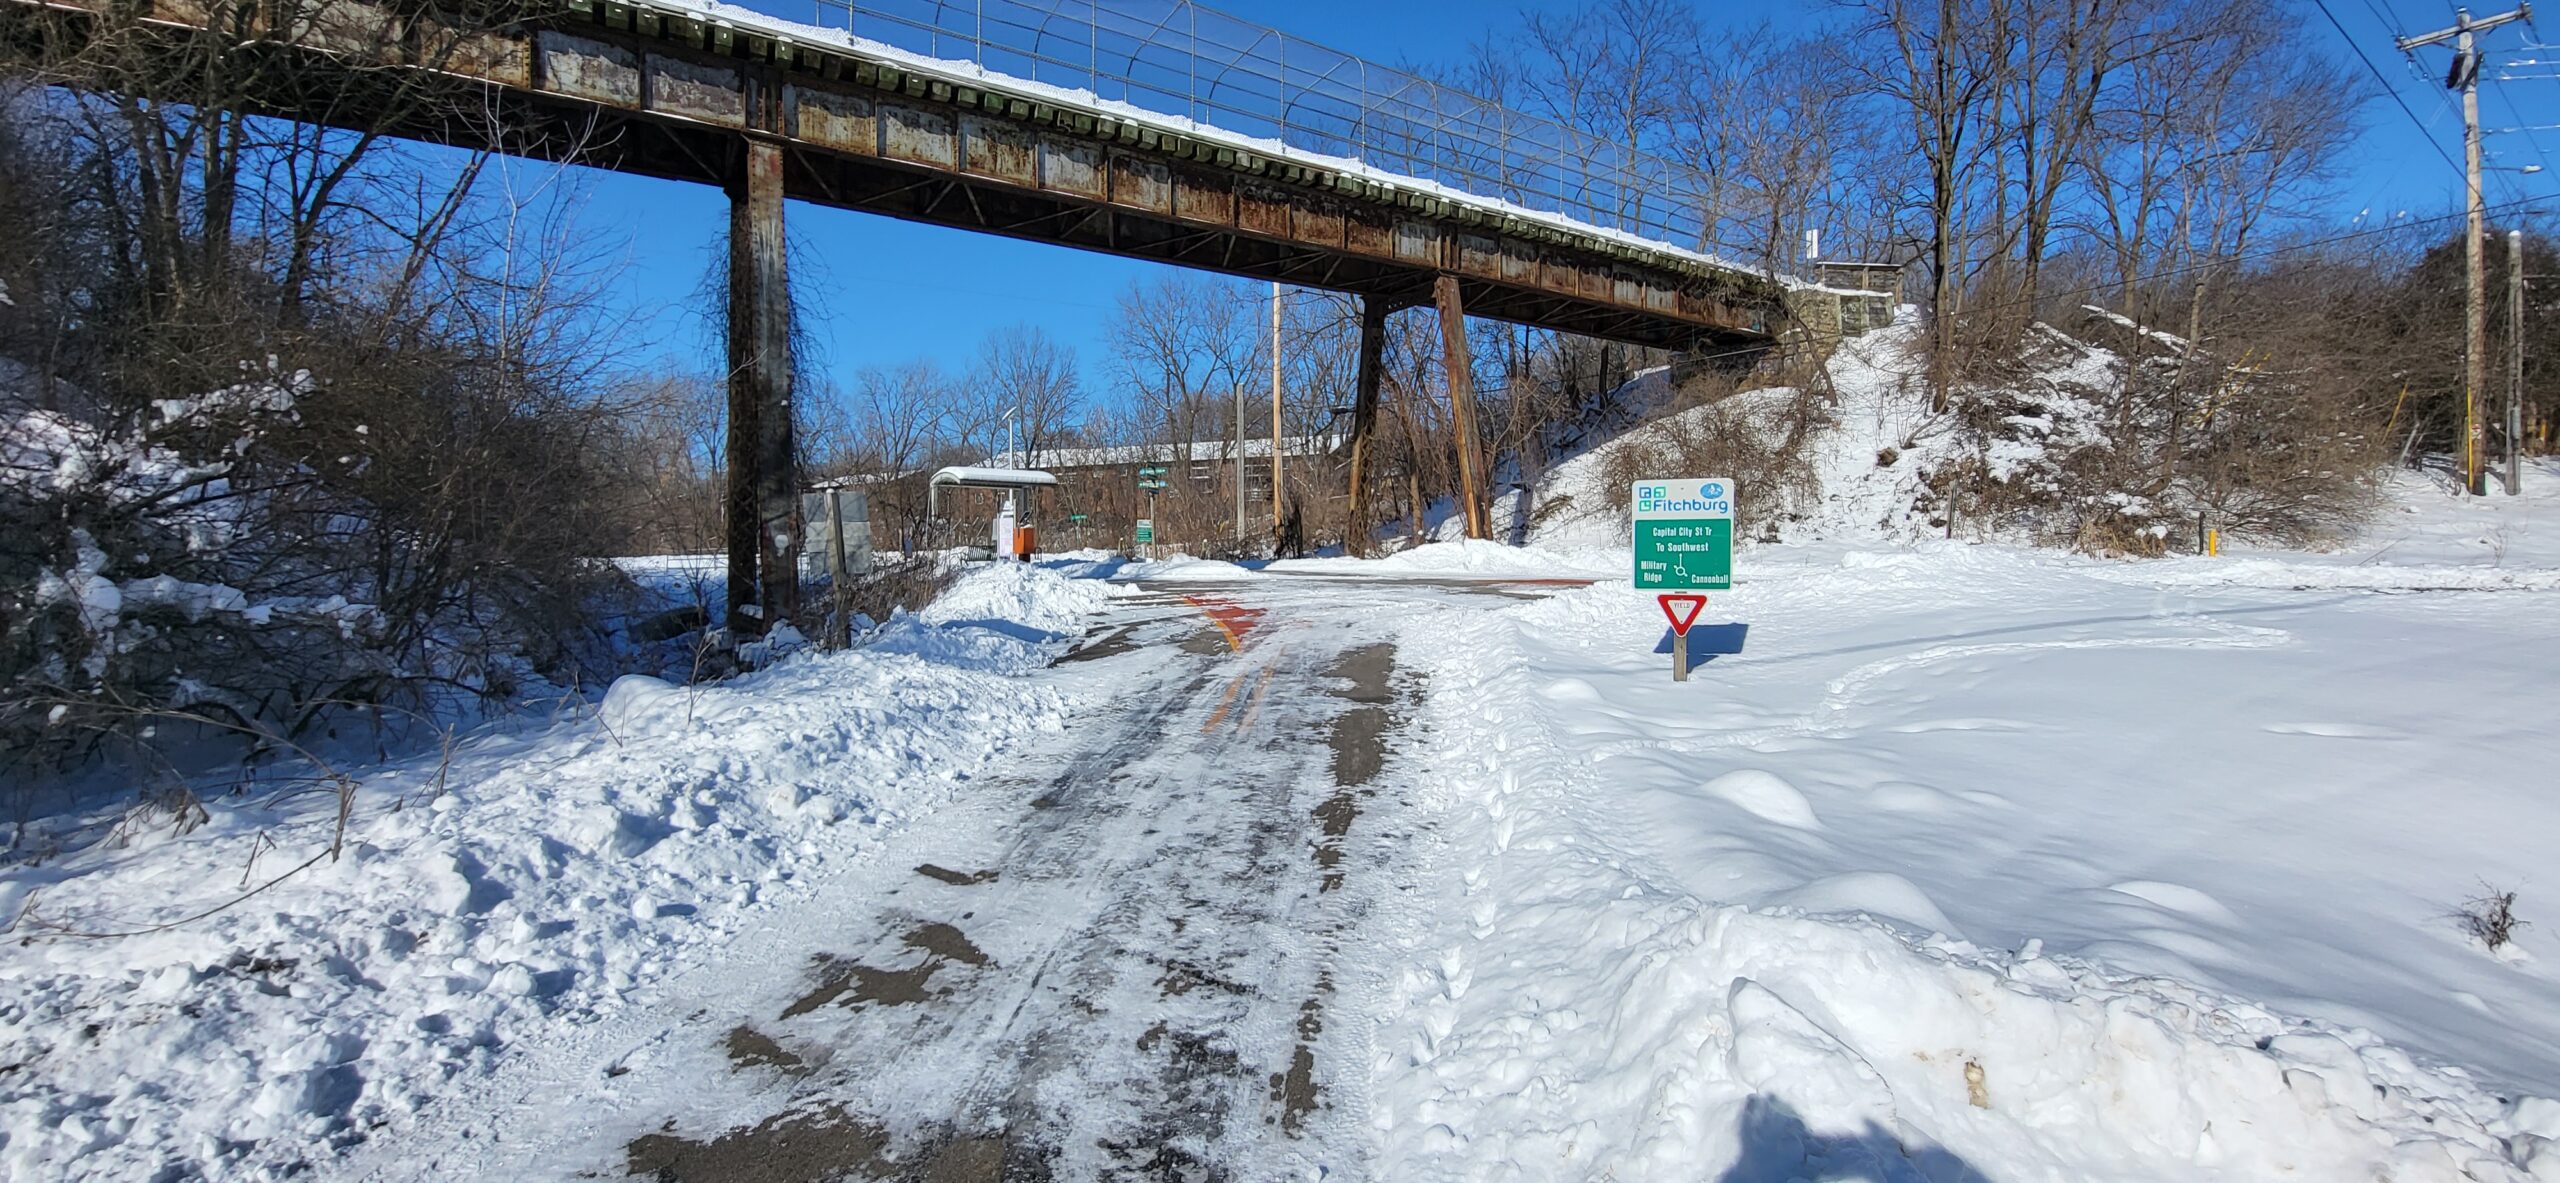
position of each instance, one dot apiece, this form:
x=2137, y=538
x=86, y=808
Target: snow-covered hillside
x=1880, y=411
x=1875, y=465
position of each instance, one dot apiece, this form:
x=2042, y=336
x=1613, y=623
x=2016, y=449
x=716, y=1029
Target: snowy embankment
x=529, y=881
x=1968, y=860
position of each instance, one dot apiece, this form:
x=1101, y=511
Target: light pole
x=1012, y=455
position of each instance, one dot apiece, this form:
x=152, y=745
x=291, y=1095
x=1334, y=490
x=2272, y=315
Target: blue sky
x=885, y=291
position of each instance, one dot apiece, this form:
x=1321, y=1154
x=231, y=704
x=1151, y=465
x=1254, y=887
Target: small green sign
x=1075, y=517
x=1146, y=531
x=1683, y=534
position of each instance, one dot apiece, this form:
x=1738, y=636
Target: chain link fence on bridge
x=1188, y=61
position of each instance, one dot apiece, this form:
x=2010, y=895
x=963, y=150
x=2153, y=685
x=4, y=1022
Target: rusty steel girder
x=665, y=91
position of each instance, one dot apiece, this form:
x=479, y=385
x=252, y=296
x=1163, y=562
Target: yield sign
x=1682, y=609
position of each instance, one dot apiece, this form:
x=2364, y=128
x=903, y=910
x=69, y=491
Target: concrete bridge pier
x=763, y=491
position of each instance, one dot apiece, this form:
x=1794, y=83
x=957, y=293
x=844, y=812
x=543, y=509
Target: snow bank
x=1185, y=569
x=537, y=879
x=1455, y=558
x=1650, y=1037
x=1018, y=596
x=1471, y=558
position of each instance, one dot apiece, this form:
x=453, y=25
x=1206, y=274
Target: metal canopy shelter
x=966, y=476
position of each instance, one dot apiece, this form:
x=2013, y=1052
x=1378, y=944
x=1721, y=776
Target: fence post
x=842, y=635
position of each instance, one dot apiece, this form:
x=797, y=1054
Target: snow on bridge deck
x=1371, y=181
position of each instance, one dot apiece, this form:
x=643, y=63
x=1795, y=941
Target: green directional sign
x=1146, y=531
x=1683, y=534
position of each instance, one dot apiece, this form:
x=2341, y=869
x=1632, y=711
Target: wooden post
x=841, y=635
x=764, y=500
x=2515, y=360
x=1364, y=418
x=1462, y=402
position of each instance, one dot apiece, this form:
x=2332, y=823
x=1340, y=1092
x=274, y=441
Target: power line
x=2387, y=88
x=2532, y=140
x=2189, y=269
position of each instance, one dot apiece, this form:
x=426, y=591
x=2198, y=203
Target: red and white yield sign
x=1682, y=609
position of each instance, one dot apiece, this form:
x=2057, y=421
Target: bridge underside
x=665, y=93
x=674, y=93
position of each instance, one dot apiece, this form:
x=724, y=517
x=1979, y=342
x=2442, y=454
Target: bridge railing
x=1177, y=58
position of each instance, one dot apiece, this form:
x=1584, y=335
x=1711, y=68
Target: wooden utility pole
x=1239, y=458
x=1462, y=401
x=2515, y=361
x=1275, y=414
x=1364, y=418
x=2465, y=77
x=764, y=500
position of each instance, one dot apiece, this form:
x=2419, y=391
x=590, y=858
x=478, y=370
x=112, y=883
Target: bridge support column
x=763, y=502
x=1459, y=365
x=1364, y=419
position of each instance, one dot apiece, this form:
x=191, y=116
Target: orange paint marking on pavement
x=1225, y=701
x=1234, y=620
x=1254, y=710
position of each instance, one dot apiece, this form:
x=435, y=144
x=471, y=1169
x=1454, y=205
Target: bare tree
x=1936, y=72
x=1033, y=377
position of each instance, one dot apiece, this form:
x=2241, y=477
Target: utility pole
x=2515, y=360
x=1239, y=460
x=2465, y=77
x=1275, y=413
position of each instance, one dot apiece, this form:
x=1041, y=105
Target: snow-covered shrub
x=1755, y=438
x=2489, y=918
x=2063, y=442
x=269, y=471
x=187, y=564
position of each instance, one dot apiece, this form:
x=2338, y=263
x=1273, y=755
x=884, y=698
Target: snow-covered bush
x=2066, y=442
x=189, y=567
x=1756, y=438
x=268, y=468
